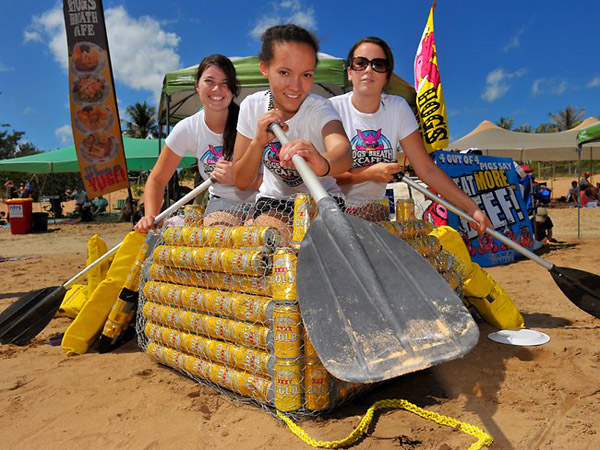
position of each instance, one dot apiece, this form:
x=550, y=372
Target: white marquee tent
x=495, y=141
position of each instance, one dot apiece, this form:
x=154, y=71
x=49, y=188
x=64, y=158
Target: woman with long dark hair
x=377, y=123
x=209, y=135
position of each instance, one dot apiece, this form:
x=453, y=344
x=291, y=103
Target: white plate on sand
x=523, y=337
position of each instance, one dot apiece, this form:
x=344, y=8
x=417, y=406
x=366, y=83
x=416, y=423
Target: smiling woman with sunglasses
x=377, y=124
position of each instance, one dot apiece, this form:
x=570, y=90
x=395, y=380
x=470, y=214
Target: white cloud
x=554, y=86
x=4, y=68
x=515, y=41
x=141, y=51
x=594, y=82
x=496, y=83
x=286, y=11
x=65, y=133
x=29, y=110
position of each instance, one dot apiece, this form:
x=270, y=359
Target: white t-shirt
x=314, y=113
x=193, y=135
x=374, y=138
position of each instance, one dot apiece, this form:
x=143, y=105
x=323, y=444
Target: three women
x=376, y=122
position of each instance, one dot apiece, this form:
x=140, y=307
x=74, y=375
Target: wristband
x=328, y=167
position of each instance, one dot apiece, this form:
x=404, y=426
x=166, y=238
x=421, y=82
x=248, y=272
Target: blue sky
x=519, y=59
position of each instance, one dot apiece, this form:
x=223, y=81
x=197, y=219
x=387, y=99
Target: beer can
x=287, y=328
x=215, y=236
x=453, y=279
x=260, y=237
x=193, y=215
x=317, y=383
x=304, y=212
x=283, y=279
x=243, y=261
x=251, y=308
x=405, y=209
x=259, y=388
x=309, y=349
x=197, y=367
x=389, y=226
x=443, y=261
x=179, y=235
x=288, y=388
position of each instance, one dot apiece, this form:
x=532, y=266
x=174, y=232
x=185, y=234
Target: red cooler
x=20, y=215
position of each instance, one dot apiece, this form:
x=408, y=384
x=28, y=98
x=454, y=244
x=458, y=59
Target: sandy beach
x=525, y=397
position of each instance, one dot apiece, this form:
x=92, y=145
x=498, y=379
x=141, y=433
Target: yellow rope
x=482, y=437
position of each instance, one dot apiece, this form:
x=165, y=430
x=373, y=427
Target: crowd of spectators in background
x=588, y=193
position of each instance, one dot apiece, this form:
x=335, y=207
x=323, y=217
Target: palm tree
x=525, y=128
x=567, y=118
x=505, y=123
x=143, y=121
x=547, y=128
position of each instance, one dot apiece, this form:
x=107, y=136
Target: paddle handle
x=459, y=212
x=308, y=175
x=163, y=215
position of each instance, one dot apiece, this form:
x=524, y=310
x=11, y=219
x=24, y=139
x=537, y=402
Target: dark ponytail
x=225, y=64
x=230, y=131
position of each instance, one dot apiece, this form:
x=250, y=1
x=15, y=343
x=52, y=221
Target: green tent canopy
x=330, y=79
x=589, y=134
x=141, y=154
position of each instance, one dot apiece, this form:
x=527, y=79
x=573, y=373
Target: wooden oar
x=580, y=287
x=373, y=308
x=29, y=315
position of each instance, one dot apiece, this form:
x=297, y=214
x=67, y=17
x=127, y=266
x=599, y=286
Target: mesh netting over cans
x=218, y=300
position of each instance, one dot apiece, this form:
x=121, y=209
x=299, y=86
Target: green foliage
x=567, y=118
x=547, y=128
x=505, y=123
x=142, y=123
x=11, y=145
x=525, y=128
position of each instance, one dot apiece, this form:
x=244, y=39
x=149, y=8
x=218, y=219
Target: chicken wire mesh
x=218, y=303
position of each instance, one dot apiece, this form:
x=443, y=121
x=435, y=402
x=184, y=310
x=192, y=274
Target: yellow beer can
x=243, y=261
x=215, y=236
x=309, y=350
x=287, y=329
x=288, y=388
x=304, y=212
x=317, y=382
x=405, y=209
x=259, y=237
x=193, y=215
x=283, y=279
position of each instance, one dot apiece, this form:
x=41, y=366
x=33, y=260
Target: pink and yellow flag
x=430, y=98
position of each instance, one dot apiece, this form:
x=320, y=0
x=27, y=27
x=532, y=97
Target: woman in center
x=288, y=59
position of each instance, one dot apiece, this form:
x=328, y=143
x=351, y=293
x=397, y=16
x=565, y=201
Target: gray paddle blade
x=373, y=308
x=582, y=288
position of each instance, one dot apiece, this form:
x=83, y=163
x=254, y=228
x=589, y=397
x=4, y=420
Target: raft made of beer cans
x=220, y=305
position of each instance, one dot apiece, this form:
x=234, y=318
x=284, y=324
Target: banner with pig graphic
x=493, y=184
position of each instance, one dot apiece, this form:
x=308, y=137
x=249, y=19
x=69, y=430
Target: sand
x=525, y=397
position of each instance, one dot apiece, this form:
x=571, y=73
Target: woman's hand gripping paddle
x=582, y=288
x=24, y=319
x=373, y=308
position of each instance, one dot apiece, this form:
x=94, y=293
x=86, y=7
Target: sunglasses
x=360, y=63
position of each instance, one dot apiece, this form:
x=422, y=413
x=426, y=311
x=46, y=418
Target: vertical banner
x=94, y=114
x=493, y=184
x=430, y=98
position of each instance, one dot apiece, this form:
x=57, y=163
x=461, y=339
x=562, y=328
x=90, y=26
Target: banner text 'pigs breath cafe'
x=94, y=114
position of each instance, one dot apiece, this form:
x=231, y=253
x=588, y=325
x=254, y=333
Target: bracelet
x=328, y=167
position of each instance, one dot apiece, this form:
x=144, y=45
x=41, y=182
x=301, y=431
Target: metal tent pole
x=167, y=187
x=578, y=191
